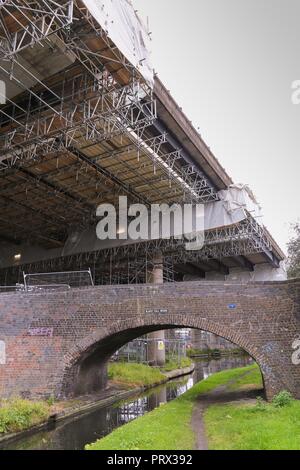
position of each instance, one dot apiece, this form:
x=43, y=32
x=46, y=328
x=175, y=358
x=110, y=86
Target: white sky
x=230, y=65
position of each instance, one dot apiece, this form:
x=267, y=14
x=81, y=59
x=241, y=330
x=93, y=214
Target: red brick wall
x=58, y=343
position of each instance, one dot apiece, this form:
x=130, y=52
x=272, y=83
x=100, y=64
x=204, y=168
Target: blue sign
x=232, y=306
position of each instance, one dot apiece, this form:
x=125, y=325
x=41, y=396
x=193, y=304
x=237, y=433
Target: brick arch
x=49, y=337
x=102, y=344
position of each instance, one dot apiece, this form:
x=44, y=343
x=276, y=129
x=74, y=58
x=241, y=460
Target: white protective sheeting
x=127, y=32
x=262, y=272
x=235, y=203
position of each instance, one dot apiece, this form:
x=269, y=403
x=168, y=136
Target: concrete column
x=197, y=340
x=157, y=355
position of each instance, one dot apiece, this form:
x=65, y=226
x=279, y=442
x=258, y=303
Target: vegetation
x=164, y=428
x=17, y=414
x=192, y=352
x=172, y=364
x=294, y=253
x=262, y=426
x=167, y=427
x=133, y=375
x=250, y=381
x=283, y=398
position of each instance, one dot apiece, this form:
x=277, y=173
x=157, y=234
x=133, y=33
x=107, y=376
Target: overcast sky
x=230, y=65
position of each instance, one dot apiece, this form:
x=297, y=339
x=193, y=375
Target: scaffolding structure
x=86, y=135
x=90, y=107
x=137, y=351
x=36, y=20
x=133, y=263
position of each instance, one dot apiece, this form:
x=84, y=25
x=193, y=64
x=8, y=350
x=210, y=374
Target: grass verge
x=173, y=365
x=18, y=415
x=133, y=375
x=260, y=426
x=253, y=427
x=167, y=427
x=251, y=381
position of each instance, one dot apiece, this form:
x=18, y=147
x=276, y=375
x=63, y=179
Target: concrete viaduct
x=57, y=343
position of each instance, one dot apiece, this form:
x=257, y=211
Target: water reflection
x=206, y=367
x=75, y=433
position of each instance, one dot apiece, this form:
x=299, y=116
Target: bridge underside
x=58, y=343
x=82, y=126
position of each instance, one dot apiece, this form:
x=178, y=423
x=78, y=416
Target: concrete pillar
x=156, y=344
x=197, y=340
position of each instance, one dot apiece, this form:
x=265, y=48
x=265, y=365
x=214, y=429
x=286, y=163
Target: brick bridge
x=58, y=343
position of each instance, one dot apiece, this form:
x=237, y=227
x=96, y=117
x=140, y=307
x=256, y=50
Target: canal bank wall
x=92, y=403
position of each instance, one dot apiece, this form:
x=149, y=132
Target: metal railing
x=51, y=281
x=9, y=289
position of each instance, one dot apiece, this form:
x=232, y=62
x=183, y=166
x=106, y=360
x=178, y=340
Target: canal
x=75, y=433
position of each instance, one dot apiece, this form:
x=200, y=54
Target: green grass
x=216, y=380
x=253, y=427
x=252, y=380
x=167, y=427
x=173, y=364
x=134, y=375
x=162, y=429
x=260, y=426
x=203, y=352
x=17, y=414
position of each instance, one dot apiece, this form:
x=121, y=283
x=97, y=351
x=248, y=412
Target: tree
x=294, y=253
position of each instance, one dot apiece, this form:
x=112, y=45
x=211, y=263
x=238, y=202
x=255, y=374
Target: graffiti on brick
x=296, y=353
x=268, y=348
x=2, y=353
x=41, y=331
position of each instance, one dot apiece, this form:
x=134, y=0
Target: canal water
x=75, y=433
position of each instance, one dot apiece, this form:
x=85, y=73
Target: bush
x=282, y=399
x=18, y=414
x=50, y=401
